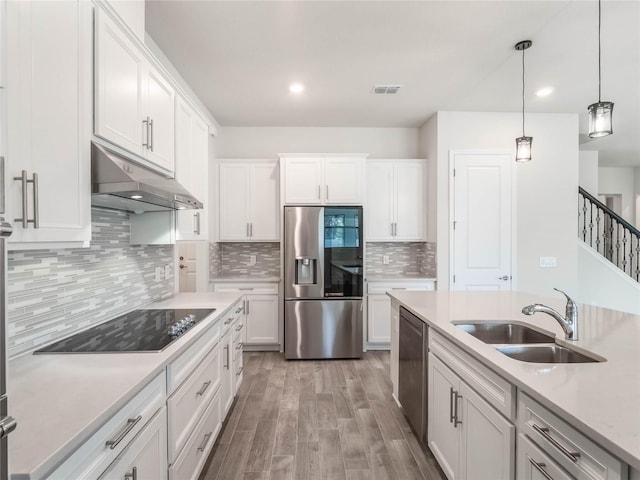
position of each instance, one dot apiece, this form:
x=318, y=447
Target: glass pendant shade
x=600, y=119
x=523, y=149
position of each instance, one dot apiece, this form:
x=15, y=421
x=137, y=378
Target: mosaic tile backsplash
x=55, y=293
x=408, y=258
x=228, y=259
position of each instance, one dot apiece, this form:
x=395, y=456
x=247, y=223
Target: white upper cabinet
x=134, y=102
x=396, y=206
x=323, y=180
x=49, y=104
x=249, y=204
x=192, y=167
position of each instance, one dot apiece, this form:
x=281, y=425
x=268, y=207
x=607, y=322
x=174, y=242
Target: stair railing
x=609, y=234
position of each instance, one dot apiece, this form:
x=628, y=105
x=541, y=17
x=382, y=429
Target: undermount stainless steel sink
x=551, y=353
x=497, y=333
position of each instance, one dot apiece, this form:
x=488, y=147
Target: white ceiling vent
x=385, y=89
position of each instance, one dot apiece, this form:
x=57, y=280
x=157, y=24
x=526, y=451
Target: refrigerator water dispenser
x=306, y=271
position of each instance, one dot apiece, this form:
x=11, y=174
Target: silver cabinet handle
x=151, y=136
x=131, y=422
x=239, y=309
x=25, y=204
x=226, y=347
x=451, y=417
x=133, y=475
x=239, y=327
x=205, y=440
x=544, y=431
x=205, y=385
x=395, y=229
x=327, y=191
x=246, y=289
x=246, y=307
x=196, y=224
x=504, y=277
x=239, y=346
x=145, y=122
x=540, y=467
x=251, y=229
x=239, y=371
x=247, y=229
x=456, y=421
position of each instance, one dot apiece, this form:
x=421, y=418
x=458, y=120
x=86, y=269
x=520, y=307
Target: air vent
x=385, y=89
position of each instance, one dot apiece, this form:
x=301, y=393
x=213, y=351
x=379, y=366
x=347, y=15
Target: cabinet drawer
x=571, y=449
x=494, y=389
x=257, y=288
x=147, y=453
x=533, y=463
x=238, y=328
x=375, y=288
x=99, y=451
x=238, y=368
x=195, y=453
x=188, y=402
x=181, y=368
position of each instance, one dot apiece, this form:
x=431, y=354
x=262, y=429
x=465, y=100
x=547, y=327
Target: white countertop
x=600, y=399
x=248, y=278
x=399, y=278
x=60, y=400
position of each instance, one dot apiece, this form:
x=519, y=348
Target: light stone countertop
x=248, y=278
x=59, y=400
x=398, y=278
x=602, y=400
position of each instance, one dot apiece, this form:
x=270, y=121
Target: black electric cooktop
x=137, y=331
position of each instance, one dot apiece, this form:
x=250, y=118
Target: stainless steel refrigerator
x=323, y=271
x=7, y=424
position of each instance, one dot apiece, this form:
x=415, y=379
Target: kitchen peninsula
x=590, y=410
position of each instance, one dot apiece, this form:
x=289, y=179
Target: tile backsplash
x=55, y=293
x=228, y=259
x=405, y=258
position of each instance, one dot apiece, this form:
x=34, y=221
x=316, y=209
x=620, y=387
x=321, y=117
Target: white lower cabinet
x=262, y=319
x=534, y=464
x=226, y=373
x=145, y=458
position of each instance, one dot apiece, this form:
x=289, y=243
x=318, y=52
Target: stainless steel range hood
x=120, y=184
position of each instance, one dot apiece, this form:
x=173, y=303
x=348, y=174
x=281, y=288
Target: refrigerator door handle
x=7, y=425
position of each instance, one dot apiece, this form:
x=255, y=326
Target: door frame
x=514, y=209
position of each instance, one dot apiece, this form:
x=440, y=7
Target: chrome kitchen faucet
x=569, y=322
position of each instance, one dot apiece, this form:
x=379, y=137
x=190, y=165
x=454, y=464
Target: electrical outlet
x=253, y=259
x=385, y=259
x=159, y=272
x=167, y=271
x=548, y=262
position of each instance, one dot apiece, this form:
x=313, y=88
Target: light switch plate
x=548, y=262
x=159, y=272
x=253, y=259
x=385, y=259
x=167, y=270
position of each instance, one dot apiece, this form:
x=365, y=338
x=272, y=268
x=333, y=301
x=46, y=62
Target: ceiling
x=240, y=57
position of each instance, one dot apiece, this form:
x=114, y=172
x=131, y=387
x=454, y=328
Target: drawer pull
x=246, y=289
x=451, y=416
x=238, y=310
x=131, y=422
x=205, y=440
x=205, y=385
x=399, y=288
x=228, y=321
x=540, y=467
x=544, y=431
x=456, y=422
x=239, y=346
x=239, y=327
x=226, y=347
x=239, y=371
x=133, y=475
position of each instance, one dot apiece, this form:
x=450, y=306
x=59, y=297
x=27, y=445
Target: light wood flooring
x=331, y=420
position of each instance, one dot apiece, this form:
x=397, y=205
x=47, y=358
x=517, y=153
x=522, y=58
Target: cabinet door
x=488, y=439
x=534, y=464
x=379, y=206
x=264, y=205
x=410, y=200
x=378, y=319
x=234, y=202
x=158, y=110
x=262, y=319
x=343, y=181
x=49, y=102
x=226, y=373
x=302, y=181
x=443, y=435
x=118, y=87
x=145, y=458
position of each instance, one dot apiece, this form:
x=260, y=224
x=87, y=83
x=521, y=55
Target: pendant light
x=600, y=113
x=523, y=143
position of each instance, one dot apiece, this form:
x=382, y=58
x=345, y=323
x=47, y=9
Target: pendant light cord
x=599, y=50
x=523, y=92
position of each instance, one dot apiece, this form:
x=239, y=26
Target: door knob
x=182, y=266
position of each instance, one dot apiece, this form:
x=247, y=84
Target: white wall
x=619, y=181
x=547, y=190
x=267, y=142
x=588, y=171
x=637, y=199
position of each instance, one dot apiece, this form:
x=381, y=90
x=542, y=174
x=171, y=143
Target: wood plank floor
x=308, y=420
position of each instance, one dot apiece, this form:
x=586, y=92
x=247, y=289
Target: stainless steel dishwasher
x=412, y=375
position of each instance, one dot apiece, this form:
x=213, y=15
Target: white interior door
x=188, y=261
x=482, y=222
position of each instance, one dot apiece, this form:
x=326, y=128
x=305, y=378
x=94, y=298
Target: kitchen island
x=600, y=399
x=61, y=400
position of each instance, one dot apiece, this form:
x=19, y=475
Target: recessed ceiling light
x=136, y=197
x=543, y=92
x=296, y=88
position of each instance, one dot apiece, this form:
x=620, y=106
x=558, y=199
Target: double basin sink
x=523, y=343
